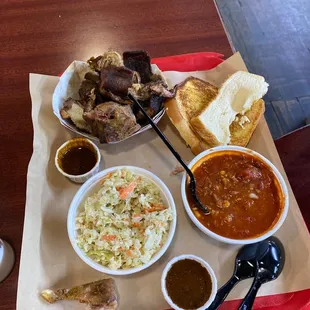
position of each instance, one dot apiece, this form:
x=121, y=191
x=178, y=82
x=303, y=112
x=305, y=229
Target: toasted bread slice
x=191, y=96
x=240, y=134
x=236, y=96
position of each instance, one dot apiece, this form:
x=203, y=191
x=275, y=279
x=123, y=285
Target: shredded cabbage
x=125, y=223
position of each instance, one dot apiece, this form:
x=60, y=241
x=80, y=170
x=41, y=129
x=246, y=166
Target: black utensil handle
x=223, y=292
x=176, y=155
x=162, y=136
x=248, y=301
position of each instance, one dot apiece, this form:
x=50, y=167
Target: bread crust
x=186, y=104
x=193, y=96
x=204, y=133
x=242, y=135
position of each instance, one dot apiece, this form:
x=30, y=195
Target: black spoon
x=192, y=183
x=245, y=267
x=270, y=263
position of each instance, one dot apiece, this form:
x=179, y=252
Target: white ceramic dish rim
x=204, y=264
x=81, y=194
x=225, y=239
x=80, y=175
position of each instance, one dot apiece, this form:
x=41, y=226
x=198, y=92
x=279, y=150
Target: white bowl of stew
x=245, y=193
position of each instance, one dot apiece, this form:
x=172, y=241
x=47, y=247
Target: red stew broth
x=240, y=190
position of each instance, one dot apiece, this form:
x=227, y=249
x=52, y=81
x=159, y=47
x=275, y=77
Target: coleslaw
x=125, y=223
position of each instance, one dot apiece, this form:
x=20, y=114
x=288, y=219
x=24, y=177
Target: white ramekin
x=204, y=264
x=210, y=233
x=83, y=177
x=91, y=186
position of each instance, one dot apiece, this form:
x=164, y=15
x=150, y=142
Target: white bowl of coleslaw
x=122, y=220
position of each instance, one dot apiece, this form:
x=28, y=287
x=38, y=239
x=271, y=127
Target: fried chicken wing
x=97, y=295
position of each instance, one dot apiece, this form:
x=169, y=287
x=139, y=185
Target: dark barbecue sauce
x=78, y=160
x=188, y=284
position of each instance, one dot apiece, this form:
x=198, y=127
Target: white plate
x=90, y=187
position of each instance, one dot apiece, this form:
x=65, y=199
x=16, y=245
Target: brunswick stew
x=240, y=190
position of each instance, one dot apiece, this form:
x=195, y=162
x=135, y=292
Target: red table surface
x=205, y=61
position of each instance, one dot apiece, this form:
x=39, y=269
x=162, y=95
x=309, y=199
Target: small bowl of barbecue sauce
x=78, y=159
x=188, y=282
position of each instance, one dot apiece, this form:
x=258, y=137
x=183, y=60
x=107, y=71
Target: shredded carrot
x=108, y=176
x=124, y=192
x=136, y=224
x=155, y=208
x=108, y=237
x=130, y=253
x=136, y=215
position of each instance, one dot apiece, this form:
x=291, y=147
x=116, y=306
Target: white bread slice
x=191, y=96
x=236, y=96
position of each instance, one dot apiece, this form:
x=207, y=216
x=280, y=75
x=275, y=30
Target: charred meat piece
x=108, y=59
x=139, y=61
x=156, y=78
x=97, y=295
x=151, y=107
x=144, y=92
x=74, y=111
x=112, y=122
x=160, y=89
x=92, y=76
x=86, y=88
x=99, y=97
x=136, y=111
x=110, y=96
x=140, y=91
x=87, y=93
x=156, y=104
x=117, y=80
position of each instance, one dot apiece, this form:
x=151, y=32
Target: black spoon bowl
x=245, y=266
x=270, y=263
x=192, y=183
